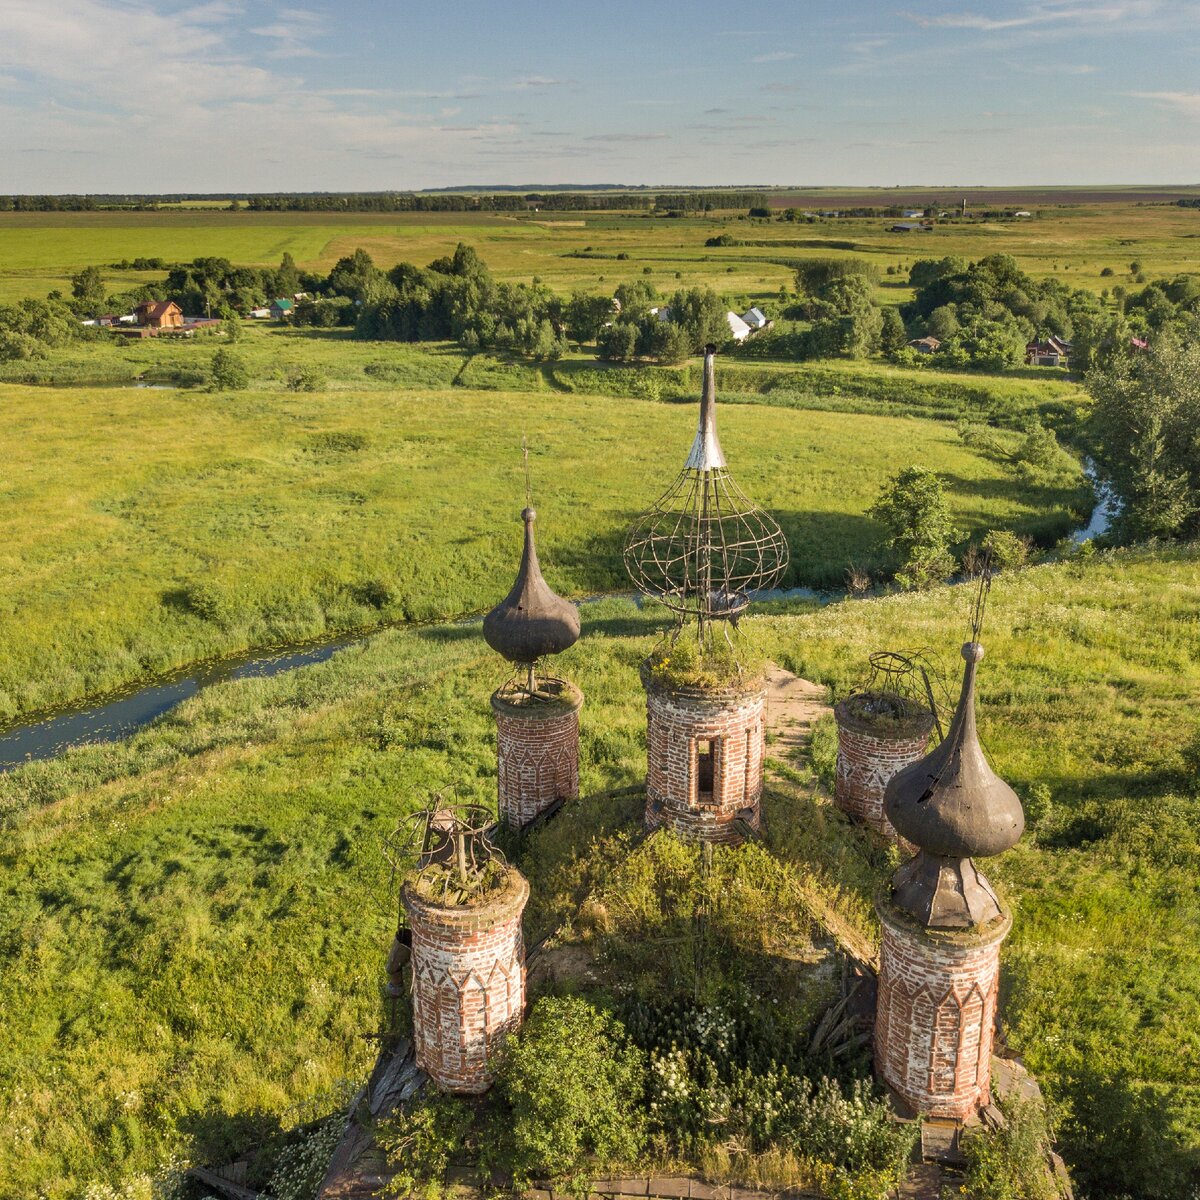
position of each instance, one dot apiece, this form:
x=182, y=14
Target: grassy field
x=1075, y=239
x=145, y=529
x=194, y=921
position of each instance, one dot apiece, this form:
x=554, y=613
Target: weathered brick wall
x=537, y=755
x=936, y=1013
x=676, y=723
x=468, y=983
x=866, y=763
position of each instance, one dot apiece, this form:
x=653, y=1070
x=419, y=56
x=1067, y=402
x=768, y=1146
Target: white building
x=738, y=329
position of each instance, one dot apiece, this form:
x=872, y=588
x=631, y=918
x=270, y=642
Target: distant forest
x=676, y=201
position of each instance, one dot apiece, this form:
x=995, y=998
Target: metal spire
x=706, y=449
x=704, y=546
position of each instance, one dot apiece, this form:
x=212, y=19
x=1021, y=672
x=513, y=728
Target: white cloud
x=625, y=137
x=1083, y=18
x=1183, y=102
x=774, y=56
x=538, y=81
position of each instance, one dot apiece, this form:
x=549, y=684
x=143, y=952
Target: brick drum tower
x=943, y=922
x=704, y=765
x=537, y=718
x=464, y=907
x=700, y=551
x=881, y=729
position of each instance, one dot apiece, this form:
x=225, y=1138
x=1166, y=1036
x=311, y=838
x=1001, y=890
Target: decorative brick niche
x=936, y=1014
x=705, y=753
x=468, y=981
x=537, y=748
x=870, y=752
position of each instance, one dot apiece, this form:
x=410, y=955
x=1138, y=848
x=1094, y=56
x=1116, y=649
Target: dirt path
x=793, y=708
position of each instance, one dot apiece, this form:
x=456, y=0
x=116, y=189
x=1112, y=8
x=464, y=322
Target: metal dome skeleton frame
x=447, y=846
x=705, y=546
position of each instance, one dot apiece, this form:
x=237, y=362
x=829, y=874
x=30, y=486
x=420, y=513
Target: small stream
x=127, y=711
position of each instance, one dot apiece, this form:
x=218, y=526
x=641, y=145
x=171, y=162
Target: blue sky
x=130, y=95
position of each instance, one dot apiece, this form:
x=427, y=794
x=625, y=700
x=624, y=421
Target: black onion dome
x=531, y=620
x=951, y=803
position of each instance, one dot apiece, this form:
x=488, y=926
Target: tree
x=88, y=289
x=893, y=337
x=926, y=271
x=635, y=298
x=1146, y=428
x=355, y=276
x=618, y=341
x=700, y=313
x=989, y=345
x=47, y=323
x=665, y=341
x=585, y=315
x=229, y=373
x=912, y=508
x=287, y=278
x=814, y=275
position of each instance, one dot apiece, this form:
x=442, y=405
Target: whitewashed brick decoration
x=867, y=758
x=537, y=750
x=468, y=981
x=704, y=758
x=936, y=1015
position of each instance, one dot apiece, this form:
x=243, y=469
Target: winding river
x=127, y=711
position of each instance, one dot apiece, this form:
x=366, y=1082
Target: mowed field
x=40, y=251
x=142, y=529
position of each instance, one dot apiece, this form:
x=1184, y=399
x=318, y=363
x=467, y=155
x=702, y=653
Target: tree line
x=571, y=201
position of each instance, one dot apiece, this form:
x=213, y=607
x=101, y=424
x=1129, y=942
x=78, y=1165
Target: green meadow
x=194, y=921
x=143, y=529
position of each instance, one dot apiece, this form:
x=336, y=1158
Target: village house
x=158, y=315
x=282, y=309
x=756, y=319
x=1048, y=352
x=925, y=345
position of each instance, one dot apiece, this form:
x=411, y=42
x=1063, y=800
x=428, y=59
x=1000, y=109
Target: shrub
x=420, y=1141
x=688, y=662
x=912, y=507
x=1009, y=1163
x=573, y=1087
x=1005, y=550
x=212, y=601
x=229, y=372
x=307, y=379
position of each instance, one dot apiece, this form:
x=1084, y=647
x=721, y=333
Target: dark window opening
x=705, y=755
